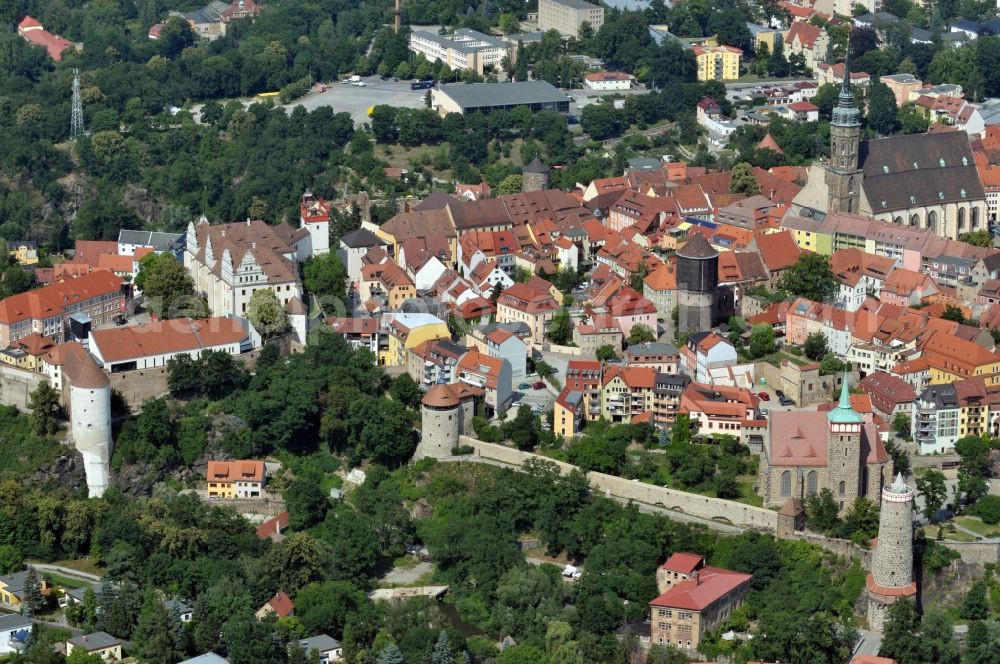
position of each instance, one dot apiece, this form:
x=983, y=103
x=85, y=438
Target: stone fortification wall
x=703, y=507
x=16, y=386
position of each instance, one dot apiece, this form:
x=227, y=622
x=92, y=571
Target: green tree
x=815, y=346
x=606, y=353
x=987, y=508
x=976, y=604
x=521, y=430
x=390, y=655
x=44, y=404
x=821, y=511
x=33, y=600
x=512, y=184
x=406, y=391
x=640, y=334
x=980, y=238
x=561, y=327
x=981, y=643
x=932, y=487
x=508, y=25
x=882, y=110
x=901, y=425
x=743, y=180
x=602, y=121
x=681, y=432
x=974, y=469
x=953, y=313
x=265, y=313
x=249, y=641
x=154, y=634
x=442, y=653
x=761, y=340
x=901, y=623
x=306, y=503
x=168, y=288
x=325, y=277
x=810, y=277
x=81, y=656
x=11, y=559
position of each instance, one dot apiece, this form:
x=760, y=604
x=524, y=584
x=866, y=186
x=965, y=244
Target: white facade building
x=228, y=263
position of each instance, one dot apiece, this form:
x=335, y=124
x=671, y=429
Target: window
x=812, y=483
x=786, y=483
x=684, y=615
x=842, y=488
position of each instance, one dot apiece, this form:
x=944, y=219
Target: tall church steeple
x=843, y=177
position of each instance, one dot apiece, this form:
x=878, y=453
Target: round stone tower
x=441, y=419
x=535, y=176
x=891, y=577
x=90, y=418
x=697, y=282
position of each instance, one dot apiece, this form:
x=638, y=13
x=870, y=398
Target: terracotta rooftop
x=235, y=471
x=166, y=337
x=711, y=585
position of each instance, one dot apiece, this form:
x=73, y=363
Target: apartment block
x=567, y=16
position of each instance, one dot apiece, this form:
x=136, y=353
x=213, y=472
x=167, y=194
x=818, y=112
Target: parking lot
x=357, y=100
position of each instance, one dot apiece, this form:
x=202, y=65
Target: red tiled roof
x=778, y=250
x=711, y=585
x=166, y=337
x=683, y=563
x=273, y=526
x=282, y=604
x=50, y=301
x=251, y=470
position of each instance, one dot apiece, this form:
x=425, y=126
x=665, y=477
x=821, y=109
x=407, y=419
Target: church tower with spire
x=843, y=177
x=843, y=450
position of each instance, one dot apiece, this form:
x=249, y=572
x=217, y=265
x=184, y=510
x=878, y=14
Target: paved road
x=869, y=644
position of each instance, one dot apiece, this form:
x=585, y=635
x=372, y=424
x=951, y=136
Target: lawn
x=957, y=536
x=81, y=565
x=60, y=581
x=977, y=526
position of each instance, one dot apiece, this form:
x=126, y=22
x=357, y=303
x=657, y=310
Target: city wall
x=142, y=385
x=16, y=386
x=703, y=507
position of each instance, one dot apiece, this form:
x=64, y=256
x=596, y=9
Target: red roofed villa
x=694, y=599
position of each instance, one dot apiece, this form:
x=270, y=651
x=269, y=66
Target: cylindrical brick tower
x=441, y=422
x=697, y=281
x=891, y=577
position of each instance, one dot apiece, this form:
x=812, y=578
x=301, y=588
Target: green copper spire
x=846, y=112
x=844, y=413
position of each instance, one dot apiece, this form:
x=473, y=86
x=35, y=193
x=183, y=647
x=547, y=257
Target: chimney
x=406, y=206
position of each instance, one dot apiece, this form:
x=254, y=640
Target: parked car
x=539, y=385
x=572, y=572
x=764, y=396
x=785, y=401
x=524, y=386
x=780, y=394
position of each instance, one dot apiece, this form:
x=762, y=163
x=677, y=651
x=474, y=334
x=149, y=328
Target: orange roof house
x=280, y=605
x=33, y=33
x=236, y=479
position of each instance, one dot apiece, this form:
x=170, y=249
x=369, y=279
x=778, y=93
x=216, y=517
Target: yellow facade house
x=408, y=331
x=718, y=63
x=24, y=252
x=102, y=644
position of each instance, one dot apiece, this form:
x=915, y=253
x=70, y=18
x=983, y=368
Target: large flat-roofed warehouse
x=485, y=98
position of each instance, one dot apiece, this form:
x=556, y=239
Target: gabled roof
x=712, y=584
x=281, y=604
x=251, y=470
x=778, y=250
